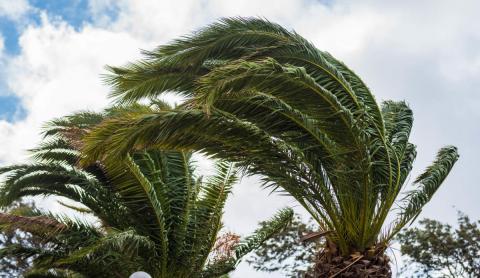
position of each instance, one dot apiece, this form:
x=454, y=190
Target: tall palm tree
x=269, y=100
x=152, y=212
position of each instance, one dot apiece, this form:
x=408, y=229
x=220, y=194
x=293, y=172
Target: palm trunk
x=333, y=265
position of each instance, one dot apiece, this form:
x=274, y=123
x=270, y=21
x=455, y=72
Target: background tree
x=269, y=100
x=286, y=252
x=12, y=265
x=151, y=212
x=435, y=249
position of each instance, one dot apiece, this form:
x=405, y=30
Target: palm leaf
x=265, y=98
x=271, y=227
x=427, y=184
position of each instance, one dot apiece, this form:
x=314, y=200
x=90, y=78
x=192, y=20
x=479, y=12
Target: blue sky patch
x=11, y=108
x=10, y=35
x=74, y=12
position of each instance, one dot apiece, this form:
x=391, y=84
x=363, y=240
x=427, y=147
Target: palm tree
x=152, y=212
x=269, y=100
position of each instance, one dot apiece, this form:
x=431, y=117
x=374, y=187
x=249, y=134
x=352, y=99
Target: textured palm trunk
x=333, y=265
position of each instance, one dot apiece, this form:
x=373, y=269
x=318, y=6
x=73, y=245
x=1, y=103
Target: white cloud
x=57, y=72
x=14, y=9
x=425, y=52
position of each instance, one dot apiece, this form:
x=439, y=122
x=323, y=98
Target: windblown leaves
x=267, y=99
x=152, y=211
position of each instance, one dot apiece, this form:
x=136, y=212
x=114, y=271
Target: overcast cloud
x=424, y=52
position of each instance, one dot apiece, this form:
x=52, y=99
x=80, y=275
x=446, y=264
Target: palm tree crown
x=154, y=214
x=270, y=101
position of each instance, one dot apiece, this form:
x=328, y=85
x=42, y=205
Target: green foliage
x=12, y=265
x=267, y=99
x=268, y=229
x=151, y=212
x=286, y=253
x=437, y=250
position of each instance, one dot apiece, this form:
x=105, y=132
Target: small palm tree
x=153, y=213
x=269, y=100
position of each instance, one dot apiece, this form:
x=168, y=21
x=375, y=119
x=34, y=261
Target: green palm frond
x=209, y=210
x=75, y=208
x=57, y=235
x=52, y=273
x=271, y=227
x=151, y=197
x=267, y=99
x=50, y=179
x=256, y=95
x=150, y=210
x=128, y=243
x=427, y=184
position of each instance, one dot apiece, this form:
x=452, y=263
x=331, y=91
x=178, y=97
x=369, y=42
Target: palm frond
x=258, y=95
x=270, y=228
x=278, y=222
x=427, y=184
x=40, y=225
x=267, y=99
x=209, y=210
x=127, y=243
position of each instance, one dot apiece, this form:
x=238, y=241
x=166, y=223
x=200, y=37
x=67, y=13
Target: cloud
x=14, y=10
x=57, y=72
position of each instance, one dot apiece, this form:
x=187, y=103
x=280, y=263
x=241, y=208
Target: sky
x=53, y=52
